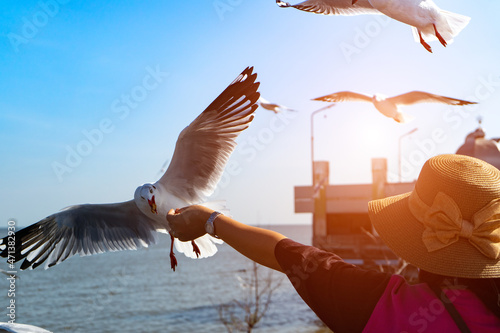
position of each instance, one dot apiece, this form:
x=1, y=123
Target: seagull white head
x=144, y=197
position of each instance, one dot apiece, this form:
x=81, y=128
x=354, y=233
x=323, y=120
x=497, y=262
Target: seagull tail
x=448, y=25
x=206, y=244
x=456, y=22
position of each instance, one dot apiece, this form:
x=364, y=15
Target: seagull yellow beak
x=152, y=204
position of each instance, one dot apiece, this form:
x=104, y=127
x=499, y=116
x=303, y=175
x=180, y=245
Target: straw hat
x=450, y=223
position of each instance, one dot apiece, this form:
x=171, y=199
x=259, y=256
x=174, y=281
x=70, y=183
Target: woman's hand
x=258, y=244
x=188, y=223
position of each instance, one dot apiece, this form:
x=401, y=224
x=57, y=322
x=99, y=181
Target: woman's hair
x=487, y=290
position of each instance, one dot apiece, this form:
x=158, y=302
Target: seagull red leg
x=438, y=35
x=173, y=259
x=424, y=44
x=196, y=249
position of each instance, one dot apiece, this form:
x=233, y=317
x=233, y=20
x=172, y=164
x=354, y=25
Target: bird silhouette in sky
x=276, y=108
x=389, y=106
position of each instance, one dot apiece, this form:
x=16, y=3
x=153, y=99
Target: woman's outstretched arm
x=255, y=243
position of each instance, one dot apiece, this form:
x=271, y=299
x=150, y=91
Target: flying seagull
x=427, y=20
x=201, y=153
x=389, y=106
x=276, y=108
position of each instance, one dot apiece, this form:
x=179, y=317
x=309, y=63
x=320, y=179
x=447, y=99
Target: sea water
x=136, y=291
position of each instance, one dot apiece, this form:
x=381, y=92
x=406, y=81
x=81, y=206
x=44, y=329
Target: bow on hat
x=444, y=224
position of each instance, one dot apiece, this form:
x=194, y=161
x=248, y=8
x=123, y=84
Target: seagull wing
x=414, y=97
x=270, y=106
x=84, y=230
x=203, y=148
x=333, y=7
x=344, y=96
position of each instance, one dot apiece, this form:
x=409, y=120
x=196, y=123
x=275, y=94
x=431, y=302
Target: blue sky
x=118, y=81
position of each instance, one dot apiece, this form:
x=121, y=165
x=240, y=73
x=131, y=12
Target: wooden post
x=379, y=179
x=320, y=182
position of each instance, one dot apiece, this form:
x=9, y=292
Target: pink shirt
x=405, y=308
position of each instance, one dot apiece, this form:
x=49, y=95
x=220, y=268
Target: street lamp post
x=312, y=136
x=319, y=193
x=399, y=149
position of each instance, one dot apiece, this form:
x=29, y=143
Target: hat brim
x=402, y=233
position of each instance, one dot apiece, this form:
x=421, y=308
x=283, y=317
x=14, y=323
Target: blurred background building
x=340, y=212
x=478, y=146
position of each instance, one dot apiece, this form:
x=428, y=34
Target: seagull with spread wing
x=276, y=108
x=201, y=153
x=389, y=106
x=427, y=20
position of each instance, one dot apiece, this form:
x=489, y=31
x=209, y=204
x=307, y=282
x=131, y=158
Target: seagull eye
x=150, y=191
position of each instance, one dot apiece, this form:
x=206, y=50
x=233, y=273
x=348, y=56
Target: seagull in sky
x=389, y=106
x=276, y=108
x=201, y=153
x=427, y=20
